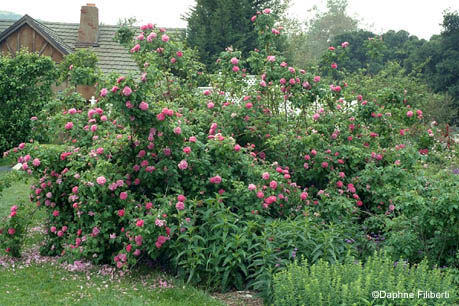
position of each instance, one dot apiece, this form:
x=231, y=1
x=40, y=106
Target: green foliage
x=79, y=68
x=357, y=283
x=425, y=224
x=25, y=87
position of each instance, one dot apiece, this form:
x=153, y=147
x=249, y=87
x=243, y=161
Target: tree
x=320, y=31
x=214, y=25
x=441, y=57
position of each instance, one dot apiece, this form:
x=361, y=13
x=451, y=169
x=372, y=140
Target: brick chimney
x=88, y=32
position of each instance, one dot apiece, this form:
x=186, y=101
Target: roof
x=112, y=57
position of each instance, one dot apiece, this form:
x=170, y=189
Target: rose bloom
x=139, y=223
x=127, y=91
x=183, y=165
x=101, y=180
x=121, y=212
x=143, y=106
x=123, y=195
x=273, y=185
x=265, y=176
x=180, y=206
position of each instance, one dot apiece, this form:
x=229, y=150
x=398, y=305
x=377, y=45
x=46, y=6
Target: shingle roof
x=111, y=55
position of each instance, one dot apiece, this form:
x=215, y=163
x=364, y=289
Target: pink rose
x=143, y=105
x=409, y=114
x=101, y=180
x=180, y=205
x=103, y=92
x=252, y=187
x=265, y=176
x=69, y=125
x=36, y=162
x=273, y=185
x=234, y=61
x=123, y=195
x=187, y=150
x=183, y=165
x=139, y=223
x=127, y=91
x=165, y=38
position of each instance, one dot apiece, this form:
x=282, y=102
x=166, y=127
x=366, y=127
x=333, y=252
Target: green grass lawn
x=47, y=284
x=36, y=280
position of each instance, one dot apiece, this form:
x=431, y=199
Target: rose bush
x=224, y=184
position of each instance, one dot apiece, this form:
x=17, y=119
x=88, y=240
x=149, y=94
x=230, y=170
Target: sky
x=419, y=17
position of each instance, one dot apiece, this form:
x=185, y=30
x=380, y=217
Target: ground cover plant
x=225, y=186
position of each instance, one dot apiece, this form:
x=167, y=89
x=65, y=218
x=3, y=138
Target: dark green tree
x=214, y=25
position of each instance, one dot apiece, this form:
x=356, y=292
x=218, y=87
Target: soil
x=239, y=298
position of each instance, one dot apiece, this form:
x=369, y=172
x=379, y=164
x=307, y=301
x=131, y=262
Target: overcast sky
x=419, y=17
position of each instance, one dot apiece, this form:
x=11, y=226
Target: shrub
x=219, y=185
x=357, y=283
x=25, y=87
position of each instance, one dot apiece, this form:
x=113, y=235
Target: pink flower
x=317, y=79
x=143, y=105
x=151, y=36
x=409, y=114
x=139, y=223
x=33, y=118
x=103, y=92
x=267, y=11
x=253, y=18
x=180, y=205
x=101, y=180
x=128, y=248
x=273, y=185
x=141, y=37
x=179, y=53
x=183, y=165
x=69, y=125
x=260, y=194
x=135, y=48
x=324, y=165
x=53, y=229
x=216, y=179
x=206, y=92
x=187, y=150
x=237, y=148
x=304, y=195
x=177, y=130
x=161, y=117
x=36, y=162
x=192, y=139
x=344, y=44
x=234, y=61
x=138, y=240
x=339, y=184
x=235, y=69
x=165, y=38
x=210, y=105
x=56, y=213
x=127, y=91
x=334, y=65
x=271, y=58
x=123, y=195
x=11, y=231
x=93, y=128
x=95, y=231
x=265, y=176
x=252, y=187
x=316, y=116
x=121, y=212
x=13, y=208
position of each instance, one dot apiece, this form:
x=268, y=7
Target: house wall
x=26, y=37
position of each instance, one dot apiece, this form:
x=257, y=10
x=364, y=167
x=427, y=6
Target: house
x=56, y=39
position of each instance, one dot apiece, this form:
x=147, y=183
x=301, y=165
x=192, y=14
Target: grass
x=48, y=284
x=37, y=280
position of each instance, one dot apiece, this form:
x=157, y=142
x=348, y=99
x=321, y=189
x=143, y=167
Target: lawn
x=38, y=280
